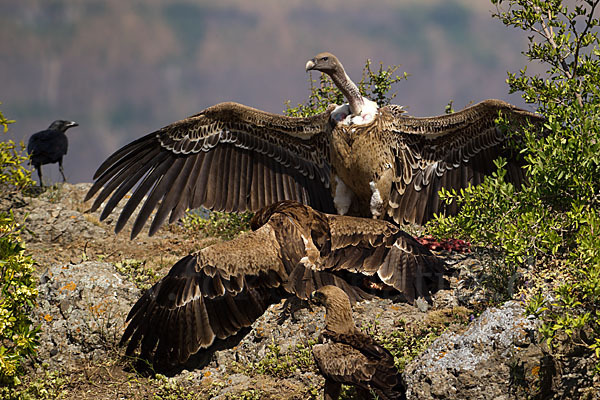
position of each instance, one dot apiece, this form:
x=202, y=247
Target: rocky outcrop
x=81, y=310
x=83, y=304
x=496, y=357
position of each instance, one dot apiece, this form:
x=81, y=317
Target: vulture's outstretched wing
x=211, y=295
x=449, y=151
x=228, y=157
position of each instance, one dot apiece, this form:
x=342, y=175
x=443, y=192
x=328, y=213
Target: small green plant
x=137, y=272
x=218, y=224
x=278, y=364
x=169, y=390
x=250, y=394
x=406, y=341
x=13, y=176
x=275, y=363
x=50, y=385
x=375, y=85
x=18, y=292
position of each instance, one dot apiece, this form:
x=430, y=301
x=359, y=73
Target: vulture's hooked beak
x=310, y=64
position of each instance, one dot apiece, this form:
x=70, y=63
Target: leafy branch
x=562, y=41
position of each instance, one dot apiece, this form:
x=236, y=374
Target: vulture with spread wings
x=355, y=159
x=211, y=295
x=346, y=355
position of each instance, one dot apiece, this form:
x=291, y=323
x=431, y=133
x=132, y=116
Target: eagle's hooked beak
x=316, y=298
x=310, y=64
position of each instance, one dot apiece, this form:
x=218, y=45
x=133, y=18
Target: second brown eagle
x=292, y=250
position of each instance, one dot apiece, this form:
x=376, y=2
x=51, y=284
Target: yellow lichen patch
x=69, y=286
x=535, y=371
x=48, y=317
x=99, y=308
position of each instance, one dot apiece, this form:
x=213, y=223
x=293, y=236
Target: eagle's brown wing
x=449, y=151
x=207, y=296
x=370, y=247
x=228, y=157
x=211, y=295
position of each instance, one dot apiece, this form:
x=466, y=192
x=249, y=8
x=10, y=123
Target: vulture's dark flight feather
x=356, y=159
x=211, y=295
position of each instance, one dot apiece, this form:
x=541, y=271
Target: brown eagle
x=210, y=296
x=357, y=159
x=348, y=356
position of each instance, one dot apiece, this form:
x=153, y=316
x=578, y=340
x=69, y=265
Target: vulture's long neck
x=349, y=89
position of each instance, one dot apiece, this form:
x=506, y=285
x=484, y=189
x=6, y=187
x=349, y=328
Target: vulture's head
x=62, y=125
x=324, y=62
x=338, y=313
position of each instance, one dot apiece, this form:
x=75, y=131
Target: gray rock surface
x=52, y=217
x=492, y=359
x=82, y=310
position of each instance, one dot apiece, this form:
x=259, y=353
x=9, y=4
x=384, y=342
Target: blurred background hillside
x=122, y=69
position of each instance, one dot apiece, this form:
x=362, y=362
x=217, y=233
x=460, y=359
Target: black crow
x=49, y=146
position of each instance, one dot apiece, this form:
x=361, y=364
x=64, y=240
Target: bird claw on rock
x=289, y=308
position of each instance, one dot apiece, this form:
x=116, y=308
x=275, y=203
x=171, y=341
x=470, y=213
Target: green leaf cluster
x=137, y=272
x=225, y=225
x=48, y=385
x=13, y=175
x=18, y=292
x=550, y=226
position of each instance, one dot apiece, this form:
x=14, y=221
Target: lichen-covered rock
x=275, y=357
x=51, y=221
x=496, y=357
x=81, y=309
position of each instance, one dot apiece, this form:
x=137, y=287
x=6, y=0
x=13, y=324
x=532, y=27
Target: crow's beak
x=71, y=124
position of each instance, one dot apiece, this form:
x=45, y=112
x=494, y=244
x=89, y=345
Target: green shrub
x=49, y=385
x=18, y=337
x=552, y=225
x=12, y=174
